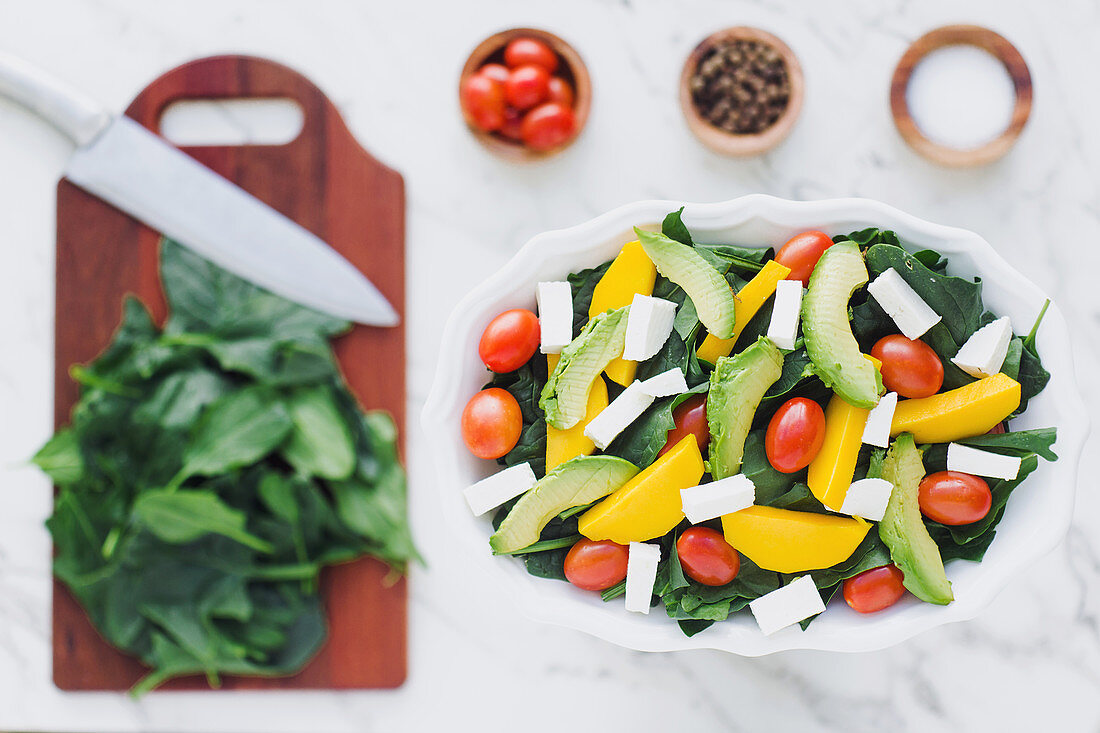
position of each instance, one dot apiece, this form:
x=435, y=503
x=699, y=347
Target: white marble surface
x=1031, y=662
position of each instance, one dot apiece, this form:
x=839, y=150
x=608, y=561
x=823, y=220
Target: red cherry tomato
x=491, y=423
x=795, y=435
x=495, y=71
x=513, y=125
x=524, y=51
x=706, y=557
x=561, y=92
x=997, y=429
x=527, y=86
x=801, y=253
x=548, y=126
x=690, y=417
x=954, y=498
x=509, y=340
x=875, y=589
x=596, y=565
x=909, y=367
x=483, y=99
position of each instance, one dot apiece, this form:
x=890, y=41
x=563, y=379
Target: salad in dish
x=719, y=429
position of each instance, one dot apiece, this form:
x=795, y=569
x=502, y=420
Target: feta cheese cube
x=555, y=300
x=613, y=419
x=725, y=496
x=876, y=431
x=965, y=459
x=641, y=574
x=984, y=352
x=911, y=314
x=794, y=602
x=783, y=327
x=648, y=326
x=665, y=384
x=867, y=498
x=502, y=486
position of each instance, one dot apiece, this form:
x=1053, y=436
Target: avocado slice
x=902, y=528
x=565, y=396
x=737, y=385
x=576, y=482
x=828, y=333
x=708, y=290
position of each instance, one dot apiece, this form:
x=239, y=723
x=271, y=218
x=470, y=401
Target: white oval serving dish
x=1035, y=520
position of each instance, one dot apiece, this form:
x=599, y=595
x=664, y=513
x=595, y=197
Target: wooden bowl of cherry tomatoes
x=525, y=93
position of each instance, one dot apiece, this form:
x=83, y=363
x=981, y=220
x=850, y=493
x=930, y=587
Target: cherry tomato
x=997, y=429
x=524, y=51
x=706, y=557
x=548, y=126
x=509, y=340
x=801, y=253
x=560, y=91
x=690, y=417
x=909, y=367
x=491, y=423
x=527, y=86
x=483, y=99
x=795, y=435
x=875, y=589
x=954, y=498
x=495, y=71
x=513, y=124
x=596, y=565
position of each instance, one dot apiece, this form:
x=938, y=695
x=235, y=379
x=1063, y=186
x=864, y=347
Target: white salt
x=961, y=96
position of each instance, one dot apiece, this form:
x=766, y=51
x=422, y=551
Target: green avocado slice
x=574, y=483
x=828, y=334
x=902, y=529
x=708, y=290
x=737, y=385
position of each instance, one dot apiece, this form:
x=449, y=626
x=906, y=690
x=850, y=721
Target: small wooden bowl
x=729, y=143
x=571, y=68
x=952, y=35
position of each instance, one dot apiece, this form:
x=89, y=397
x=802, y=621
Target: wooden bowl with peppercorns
x=525, y=94
x=741, y=91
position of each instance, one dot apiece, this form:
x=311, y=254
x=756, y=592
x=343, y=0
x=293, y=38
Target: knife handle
x=78, y=117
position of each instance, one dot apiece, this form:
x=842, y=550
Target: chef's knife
x=130, y=168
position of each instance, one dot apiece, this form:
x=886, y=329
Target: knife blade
x=140, y=173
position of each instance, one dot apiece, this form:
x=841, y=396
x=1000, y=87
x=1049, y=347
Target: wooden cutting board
x=327, y=183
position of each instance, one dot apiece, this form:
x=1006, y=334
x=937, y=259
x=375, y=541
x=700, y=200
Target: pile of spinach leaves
x=693, y=605
x=210, y=471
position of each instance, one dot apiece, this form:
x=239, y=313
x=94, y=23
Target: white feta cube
x=794, y=602
x=641, y=574
x=876, y=431
x=867, y=498
x=666, y=384
x=555, y=300
x=984, y=352
x=965, y=459
x=613, y=419
x=648, y=326
x=725, y=496
x=502, y=486
x=908, y=310
x=783, y=327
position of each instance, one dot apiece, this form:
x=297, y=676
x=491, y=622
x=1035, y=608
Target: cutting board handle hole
x=232, y=122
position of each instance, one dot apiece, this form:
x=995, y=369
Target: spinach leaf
x=640, y=442
x=770, y=484
x=184, y=516
x=239, y=429
x=320, y=443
